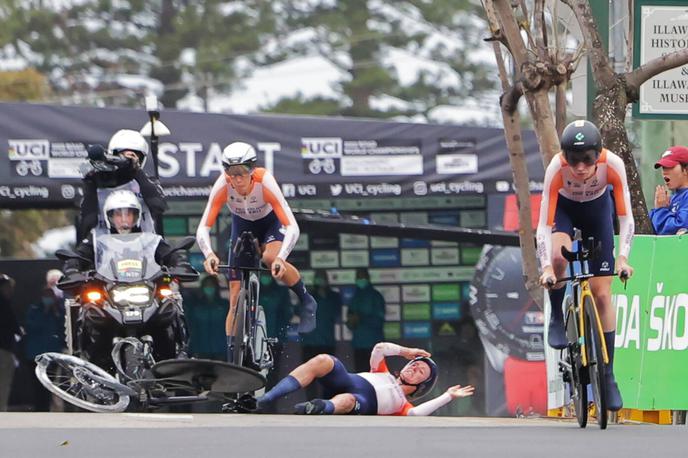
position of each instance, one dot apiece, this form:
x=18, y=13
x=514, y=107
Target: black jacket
x=151, y=192
x=8, y=324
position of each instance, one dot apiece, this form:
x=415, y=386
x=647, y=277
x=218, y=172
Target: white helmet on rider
x=129, y=140
x=239, y=154
x=122, y=212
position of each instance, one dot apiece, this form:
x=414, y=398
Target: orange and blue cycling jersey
x=568, y=201
x=263, y=210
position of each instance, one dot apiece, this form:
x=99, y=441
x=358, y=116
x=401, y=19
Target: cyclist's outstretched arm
x=428, y=407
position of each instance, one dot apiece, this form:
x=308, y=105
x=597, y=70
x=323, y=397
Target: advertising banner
x=311, y=157
x=651, y=361
x=652, y=330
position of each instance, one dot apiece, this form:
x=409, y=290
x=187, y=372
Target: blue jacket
x=669, y=220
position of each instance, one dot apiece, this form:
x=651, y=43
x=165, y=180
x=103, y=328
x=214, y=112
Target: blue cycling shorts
x=340, y=381
x=595, y=219
x=265, y=230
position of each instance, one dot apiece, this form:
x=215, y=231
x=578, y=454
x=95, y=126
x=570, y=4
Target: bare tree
x=542, y=65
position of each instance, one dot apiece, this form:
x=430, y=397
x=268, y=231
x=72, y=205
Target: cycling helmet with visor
x=122, y=212
x=581, y=142
x=129, y=140
x=238, y=158
x=426, y=385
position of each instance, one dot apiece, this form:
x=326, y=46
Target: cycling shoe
x=307, y=315
x=314, y=407
x=613, y=395
x=556, y=335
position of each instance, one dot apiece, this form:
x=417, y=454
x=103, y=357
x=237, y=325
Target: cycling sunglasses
x=239, y=170
x=588, y=157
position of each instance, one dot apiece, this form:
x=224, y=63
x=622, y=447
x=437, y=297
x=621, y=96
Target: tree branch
x=653, y=68
x=602, y=72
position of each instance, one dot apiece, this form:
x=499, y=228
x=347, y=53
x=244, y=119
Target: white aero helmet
x=239, y=153
x=129, y=140
x=125, y=201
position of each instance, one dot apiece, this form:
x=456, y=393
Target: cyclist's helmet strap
x=580, y=137
x=426, y=385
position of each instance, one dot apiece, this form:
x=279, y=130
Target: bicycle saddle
x=584, y=251
x=247, y=250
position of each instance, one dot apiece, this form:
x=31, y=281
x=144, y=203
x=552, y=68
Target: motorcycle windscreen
x=127, y=258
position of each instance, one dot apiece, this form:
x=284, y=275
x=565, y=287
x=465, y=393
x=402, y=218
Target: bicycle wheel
x=577, y=385
x=598, y=378
x=240, y=330
x=81, y=383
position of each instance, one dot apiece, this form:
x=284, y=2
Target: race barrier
x=651, y=364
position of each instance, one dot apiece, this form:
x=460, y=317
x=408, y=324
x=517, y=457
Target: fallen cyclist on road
x=377, y=392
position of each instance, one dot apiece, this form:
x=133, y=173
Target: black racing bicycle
x=252, y=346
x=584, y=359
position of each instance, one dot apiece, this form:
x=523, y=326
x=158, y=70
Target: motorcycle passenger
x=122, y=214
x=257, y=205
x=98, y=184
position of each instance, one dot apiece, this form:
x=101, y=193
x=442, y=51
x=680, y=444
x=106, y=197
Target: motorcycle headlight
x=132, y=296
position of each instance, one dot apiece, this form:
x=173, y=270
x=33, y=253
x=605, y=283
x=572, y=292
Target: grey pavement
x=215, y=435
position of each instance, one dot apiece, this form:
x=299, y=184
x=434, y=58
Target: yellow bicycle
x=584, y=359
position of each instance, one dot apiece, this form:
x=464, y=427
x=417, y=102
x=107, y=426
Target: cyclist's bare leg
x=559, y=264
x=343, y=403
x=556, y=337
x=601, y=288
x=301, y=377
x=292, y=278
x=292, y=275
x=234, y=288
x=316, y=367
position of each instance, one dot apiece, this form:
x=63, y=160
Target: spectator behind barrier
x=205, y=312
x=366, y=319
x=670, y=215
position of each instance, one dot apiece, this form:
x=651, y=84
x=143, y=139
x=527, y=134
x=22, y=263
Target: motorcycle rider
x=122, y=214
x=98, y=184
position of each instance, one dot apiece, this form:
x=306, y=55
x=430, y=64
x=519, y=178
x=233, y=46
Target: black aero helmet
x=426, y=385
x=581, y=142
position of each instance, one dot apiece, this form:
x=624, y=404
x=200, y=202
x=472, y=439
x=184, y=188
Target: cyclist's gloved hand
x=548, y=279
x=622, y=268
x=210, y=264
x=278, y=268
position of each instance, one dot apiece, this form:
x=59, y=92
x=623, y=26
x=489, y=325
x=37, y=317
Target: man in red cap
x=670, y=215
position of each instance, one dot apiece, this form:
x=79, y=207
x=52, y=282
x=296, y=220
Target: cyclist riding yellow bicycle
x=258, y=206
x=576, y=194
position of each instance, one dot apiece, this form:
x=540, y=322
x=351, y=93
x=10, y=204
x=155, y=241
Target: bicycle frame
x=581, y=288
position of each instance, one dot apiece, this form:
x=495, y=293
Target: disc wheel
x=240, y=325
x=577, y=386
x=81, y=383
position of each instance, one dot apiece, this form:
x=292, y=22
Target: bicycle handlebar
x=245, y=269
x=624, y=277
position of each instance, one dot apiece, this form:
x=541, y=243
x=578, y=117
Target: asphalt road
x=215, y=435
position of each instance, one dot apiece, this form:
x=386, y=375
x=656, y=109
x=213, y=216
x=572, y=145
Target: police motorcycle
x=125, y=323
